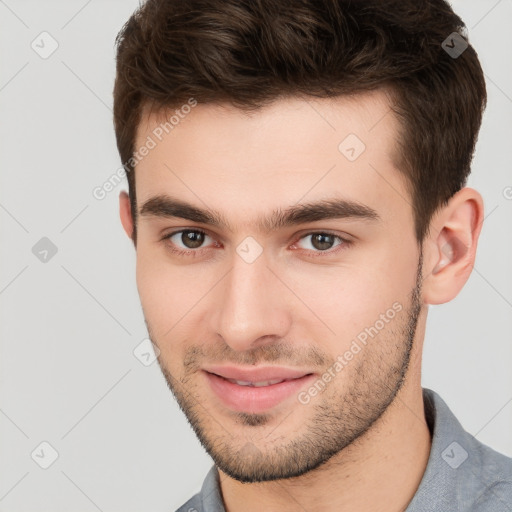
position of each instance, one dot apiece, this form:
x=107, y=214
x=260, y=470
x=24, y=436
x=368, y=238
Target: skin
x=363, y=442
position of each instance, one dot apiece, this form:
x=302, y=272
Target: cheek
x=163, y=306
x=159, y=290
x=349, y=298
x=171, y=295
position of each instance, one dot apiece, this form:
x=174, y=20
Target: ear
x=450, y=247
x=125, y=212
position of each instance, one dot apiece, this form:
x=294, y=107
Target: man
x=297, y=199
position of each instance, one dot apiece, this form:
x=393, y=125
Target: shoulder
x=462, y=472
x=491, y=473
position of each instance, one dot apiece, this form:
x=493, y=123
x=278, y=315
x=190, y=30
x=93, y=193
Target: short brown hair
x=252, y=52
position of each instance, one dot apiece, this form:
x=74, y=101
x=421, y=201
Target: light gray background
x=69, y=326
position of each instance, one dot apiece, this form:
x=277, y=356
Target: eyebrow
x=165, y=206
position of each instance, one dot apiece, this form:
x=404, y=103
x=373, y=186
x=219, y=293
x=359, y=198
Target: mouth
x=257, y=384
x=255, y=390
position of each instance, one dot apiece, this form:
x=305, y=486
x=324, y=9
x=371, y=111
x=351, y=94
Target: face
x=278, y=245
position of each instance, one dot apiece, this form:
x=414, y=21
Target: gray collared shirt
x=462, y=473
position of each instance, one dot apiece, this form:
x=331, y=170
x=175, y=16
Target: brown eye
x=321, y=241
x=192, y=239
x=187, y=239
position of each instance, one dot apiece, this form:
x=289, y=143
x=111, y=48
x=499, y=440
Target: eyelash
x=193, y=253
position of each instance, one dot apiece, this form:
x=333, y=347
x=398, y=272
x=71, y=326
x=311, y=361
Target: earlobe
x=452, y=246
x=125, y=213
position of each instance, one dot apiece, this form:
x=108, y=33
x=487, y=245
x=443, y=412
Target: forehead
x=293, y=150
x=292, y=118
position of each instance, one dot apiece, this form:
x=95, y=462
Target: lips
x=257, y=375
x=255, y=390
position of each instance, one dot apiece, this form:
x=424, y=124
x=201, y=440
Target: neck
x=379, y=472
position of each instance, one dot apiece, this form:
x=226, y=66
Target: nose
x=251, y=305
